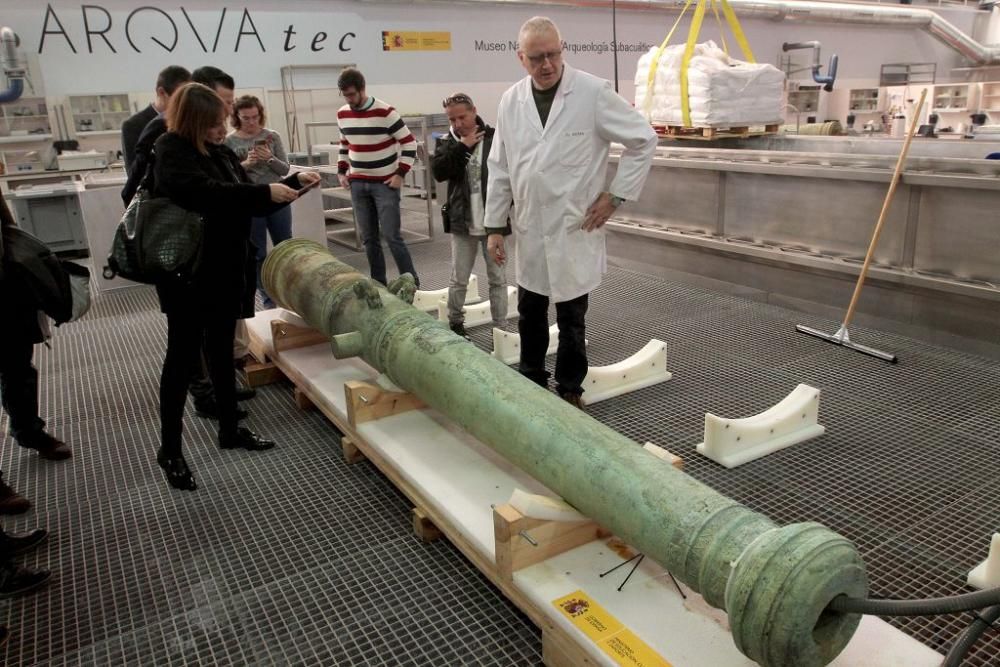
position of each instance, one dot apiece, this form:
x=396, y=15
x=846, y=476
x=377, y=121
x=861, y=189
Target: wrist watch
x=617, y=201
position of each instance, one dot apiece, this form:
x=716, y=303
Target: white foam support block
x=427, y=300
x=479, y=313
x=987, y=573
x=645, y=368
x=507, y=344
x=733, y=442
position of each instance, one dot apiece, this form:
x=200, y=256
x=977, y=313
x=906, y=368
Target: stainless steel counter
x=812, y=212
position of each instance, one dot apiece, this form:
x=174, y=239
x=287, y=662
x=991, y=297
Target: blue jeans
x=279, y=225
x=376, y=206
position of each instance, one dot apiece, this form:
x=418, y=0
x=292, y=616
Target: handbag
x=156, y=241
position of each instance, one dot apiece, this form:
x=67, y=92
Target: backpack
x=58, y=288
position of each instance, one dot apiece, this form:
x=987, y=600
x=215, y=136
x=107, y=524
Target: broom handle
x=885, y=209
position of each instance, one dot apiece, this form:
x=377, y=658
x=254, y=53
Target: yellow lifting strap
x=692, y=40
x=655, y=63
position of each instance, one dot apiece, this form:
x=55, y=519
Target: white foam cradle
x=507, y=344
x=733, y=442
x=987, y=574
x=455, y=481
x=427, y=300
x=479, y=313
x=643, y=369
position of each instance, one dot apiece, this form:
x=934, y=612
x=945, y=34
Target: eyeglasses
x=249, y=119
x=551, y=56
x=461, y=98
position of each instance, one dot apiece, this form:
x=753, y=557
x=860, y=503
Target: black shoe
x=245, y=393
x=210, y=410
x=17, y=580
x=47, y=446
x=573, y=399
x=15, y=545
x=244, y=438
x=11, y=502
x=458, y=328
x=178, y=474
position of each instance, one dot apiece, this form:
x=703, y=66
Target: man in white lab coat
x=549, y=157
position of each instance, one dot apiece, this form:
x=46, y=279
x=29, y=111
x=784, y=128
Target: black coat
x=143, y=156
x=216, y=186
x=131, y=131
x=451, y=157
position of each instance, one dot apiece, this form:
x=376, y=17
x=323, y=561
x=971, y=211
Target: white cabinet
x=26, y=119
x=864, y=100
x=990, y=99
x=954, y=98
x=93, y=115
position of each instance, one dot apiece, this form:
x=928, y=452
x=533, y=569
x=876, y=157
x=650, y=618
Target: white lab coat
x=554, y=174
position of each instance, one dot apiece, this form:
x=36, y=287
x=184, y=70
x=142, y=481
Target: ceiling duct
x=894, y=16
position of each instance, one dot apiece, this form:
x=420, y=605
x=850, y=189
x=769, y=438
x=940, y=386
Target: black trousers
x=533, y=326
x=19, y=386
x=187, y=334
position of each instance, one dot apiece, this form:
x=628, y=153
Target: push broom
x=842, y=337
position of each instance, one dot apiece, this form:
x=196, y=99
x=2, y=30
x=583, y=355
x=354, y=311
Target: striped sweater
x=368, y=139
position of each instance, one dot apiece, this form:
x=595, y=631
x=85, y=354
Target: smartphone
x=305, y=189
x=261, y=142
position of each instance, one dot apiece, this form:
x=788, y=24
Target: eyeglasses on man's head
x=460, y=98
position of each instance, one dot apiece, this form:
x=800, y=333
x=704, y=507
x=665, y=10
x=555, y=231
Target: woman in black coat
x=198, y=173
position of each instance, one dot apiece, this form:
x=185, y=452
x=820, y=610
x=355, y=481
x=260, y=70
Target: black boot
x=244, y=438
x=178, y=474
x=15, y=545
x=16, y=580
x=11, y=502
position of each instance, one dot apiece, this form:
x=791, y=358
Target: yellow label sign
x=617, y=641
x=415, y=41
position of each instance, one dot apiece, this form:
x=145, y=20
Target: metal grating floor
x=293, y=557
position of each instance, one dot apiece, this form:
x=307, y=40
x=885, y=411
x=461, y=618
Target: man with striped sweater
x=376, y=151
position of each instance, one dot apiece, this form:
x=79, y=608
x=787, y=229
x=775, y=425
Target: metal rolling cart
x=416, y=204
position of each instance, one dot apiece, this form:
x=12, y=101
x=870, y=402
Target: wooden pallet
x=713, y=133
x=526, y=553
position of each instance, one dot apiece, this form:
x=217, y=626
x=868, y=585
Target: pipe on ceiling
x=895, y=16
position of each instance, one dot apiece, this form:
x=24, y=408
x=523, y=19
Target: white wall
x=412, y=81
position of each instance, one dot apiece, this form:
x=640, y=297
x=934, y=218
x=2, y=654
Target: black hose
x=926, y=607
x=970, y=636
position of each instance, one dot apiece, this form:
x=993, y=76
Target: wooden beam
x=287, y=336
x=351, y=452
x=260, y=374
x=423, y=527
x=302, y=400
x=522, y=541
x=367, y=401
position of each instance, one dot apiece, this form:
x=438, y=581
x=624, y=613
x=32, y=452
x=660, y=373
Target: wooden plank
x=258, y=350
x=302, y=400
x=287, y=336
x=367, y=401
x=558, y=651
x=260, y=374
x=351, y=452
x=545, y=539
x=423, y=527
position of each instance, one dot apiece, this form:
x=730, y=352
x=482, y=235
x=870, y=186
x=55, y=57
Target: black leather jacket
x=451, y=157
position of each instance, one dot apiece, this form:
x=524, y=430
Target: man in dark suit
x=169, y=80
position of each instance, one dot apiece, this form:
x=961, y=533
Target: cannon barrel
x=775, y=582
